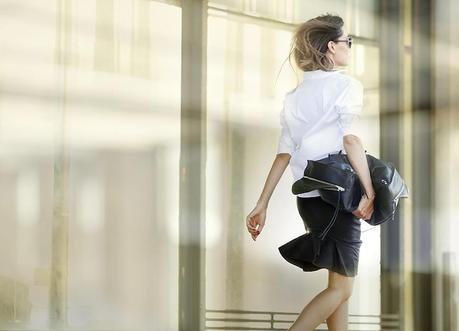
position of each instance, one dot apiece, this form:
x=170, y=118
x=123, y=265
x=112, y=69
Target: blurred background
x=136, y=136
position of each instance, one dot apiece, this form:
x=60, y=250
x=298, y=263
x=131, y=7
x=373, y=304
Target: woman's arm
x=358, y=160
x=258, y=215
x=280, y=163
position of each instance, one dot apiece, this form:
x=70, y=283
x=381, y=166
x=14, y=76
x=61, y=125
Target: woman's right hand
x=366, y=207
x=256, y=217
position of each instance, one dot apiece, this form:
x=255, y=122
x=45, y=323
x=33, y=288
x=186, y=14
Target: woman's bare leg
x=338, y=321
x=325, y=303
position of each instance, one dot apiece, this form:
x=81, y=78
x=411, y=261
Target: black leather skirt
x=338, y=251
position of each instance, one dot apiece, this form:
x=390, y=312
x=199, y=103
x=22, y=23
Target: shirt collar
x=320, y=73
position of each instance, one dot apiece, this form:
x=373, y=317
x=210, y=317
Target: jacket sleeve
x=350, y=107
x=285, y=143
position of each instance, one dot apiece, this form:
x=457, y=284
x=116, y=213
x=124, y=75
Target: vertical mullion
x=391, y=96
x=58, y=288
x=191, y=296
x=422, y=165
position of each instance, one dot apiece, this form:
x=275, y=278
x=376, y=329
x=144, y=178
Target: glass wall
x=90, y=145
x=89, y=152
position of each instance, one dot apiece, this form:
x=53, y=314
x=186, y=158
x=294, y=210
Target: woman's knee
x=344, y=292
x=342, y=284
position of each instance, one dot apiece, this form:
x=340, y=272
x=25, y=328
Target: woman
x=318, y=118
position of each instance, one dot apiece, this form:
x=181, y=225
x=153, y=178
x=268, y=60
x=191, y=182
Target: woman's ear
x=331, y=46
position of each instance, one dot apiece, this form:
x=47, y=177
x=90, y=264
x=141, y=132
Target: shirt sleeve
x=350, y=107
x=285, y=143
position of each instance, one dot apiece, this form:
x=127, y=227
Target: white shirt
x=316, y=115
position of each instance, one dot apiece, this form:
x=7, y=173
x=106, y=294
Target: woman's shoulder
x=335, y=84
x=345, y=80
x=344, y=83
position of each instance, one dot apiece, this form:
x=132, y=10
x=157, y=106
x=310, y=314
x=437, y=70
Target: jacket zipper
x=339, y=188
x=392, y=214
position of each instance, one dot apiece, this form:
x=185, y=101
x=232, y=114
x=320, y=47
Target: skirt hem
x=310, y=253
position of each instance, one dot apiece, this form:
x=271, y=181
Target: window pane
x=89, y=154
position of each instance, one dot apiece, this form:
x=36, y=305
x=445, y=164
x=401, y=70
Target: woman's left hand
x=256, y=218
x=366, y=207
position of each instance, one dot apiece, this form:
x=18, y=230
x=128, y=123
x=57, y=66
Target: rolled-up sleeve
x=350, y=107
x=285, y=143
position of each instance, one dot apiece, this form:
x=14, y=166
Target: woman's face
x=339, y=51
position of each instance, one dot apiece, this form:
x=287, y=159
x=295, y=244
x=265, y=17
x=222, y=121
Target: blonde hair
x=310, y=42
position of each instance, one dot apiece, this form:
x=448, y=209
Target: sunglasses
x=348, y=40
